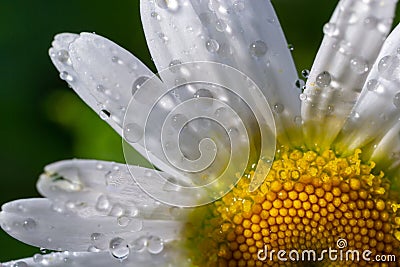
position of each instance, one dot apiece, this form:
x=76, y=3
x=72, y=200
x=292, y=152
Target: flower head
x=248, y=158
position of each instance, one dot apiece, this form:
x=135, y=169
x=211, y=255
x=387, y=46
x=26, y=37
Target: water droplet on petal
x=303, y=97
x=155, y=245
x=63, y=57
x=298, y=120
x=389, y=67
x=29, y=224
x=38, y=258
x=203, y=93
x=155, y=15
x=103, y=204
x=299, y=83
x=305, y=73
x=278, y=108
x=212, y=45
x=66, y=76
x=359, y=65
x=123, y=221
x=133, y=132
x=163, y=37
x=119, y=248
x=370, y=22
x=220, y=25
x=104, y=114
x=136, y=225
x=138, y=83
x=290, y=47
x=323, y=79
x=139, y=244
x=213, y=5
x=331, y=29
x=174, y=65
x=396, y=100
x=258, y=48
x=372, y=85
x=117, y=60
x=20, y=264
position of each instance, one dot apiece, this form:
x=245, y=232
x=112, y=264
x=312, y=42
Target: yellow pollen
x=308, y=201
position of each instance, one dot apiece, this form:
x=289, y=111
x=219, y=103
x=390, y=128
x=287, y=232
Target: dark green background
x=42, y=120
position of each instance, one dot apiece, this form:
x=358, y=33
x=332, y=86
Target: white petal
x=353, y=38
x=377, y=108
x=87, y=181
x=227, y=32
x=100, y=259
x=41, y=223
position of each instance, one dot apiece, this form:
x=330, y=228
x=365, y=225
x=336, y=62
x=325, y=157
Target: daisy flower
x=248, y=158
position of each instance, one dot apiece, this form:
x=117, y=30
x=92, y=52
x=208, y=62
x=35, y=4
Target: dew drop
x=102, y=204
x=370, y=22
x=396, y=100
x=290, y=47
x=174, y=65
x=20, y=264
x=155, y=245
x=303, y=97
x=225, y=50
x=323, y=79
x=305, y=73
x=123, y=221
x=138, y=83
x=331, y=29
x=331, y=109
x=29, y=224
x=258, y=48
x=100, y=88
x=155, y=15
x=299, y=83
x=38, y=258
x=220, y=25
x=117, y=60
x=133, y=132
x=139, y=244
x=372, y=85
x=136, y=225
x=104, y=114
x=221, y=112
x=298, y=120
x=388, y=67
x=278, y=108
x=203, y=93
x=66, y=76
x=63, y=57
x=163, y=37
x=119, y=248
x=116, y=210
x=212, y=45
x=358, y=65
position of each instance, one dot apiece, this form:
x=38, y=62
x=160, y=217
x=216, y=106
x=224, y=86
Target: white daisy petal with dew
x=235, y=176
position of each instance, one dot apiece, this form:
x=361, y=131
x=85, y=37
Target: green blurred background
x=44, y=121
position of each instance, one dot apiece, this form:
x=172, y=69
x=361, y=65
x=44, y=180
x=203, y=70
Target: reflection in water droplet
x=66, y=76
x=103, y=203
x=305, y=73
x=63, y=56
x=133, y=132
x=323, y=79
x=212, y=45
x=119, y=248
x=303, y=97
x=258, y=48
x=29, y=224
x=104, y=114
x=331, y=29
x=299, y=83
x=290, y=47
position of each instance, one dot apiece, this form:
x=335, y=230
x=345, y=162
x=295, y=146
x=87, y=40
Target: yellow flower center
x=308, y=201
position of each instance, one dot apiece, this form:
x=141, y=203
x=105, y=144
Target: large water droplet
x=123, y=221
x=103, y=204
x=104, y=114
x=299, y=83
x=29, y=224
x=116, y=210
x=117, y=60
x=303, y=97
x=258, y=48
x=174, y=65
x=305, y=73
x=331, y=29
x=66, y=76
x=38, y=258
x=323, y=79
x=212, y=45
x=155, y=245
x=171, y=5
x=389, y=67
x=133, y=132
x=155, y=15
x=396, y=100
x=203, y=93
x=119, y=248
x=138, y=83
x=178, y=120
